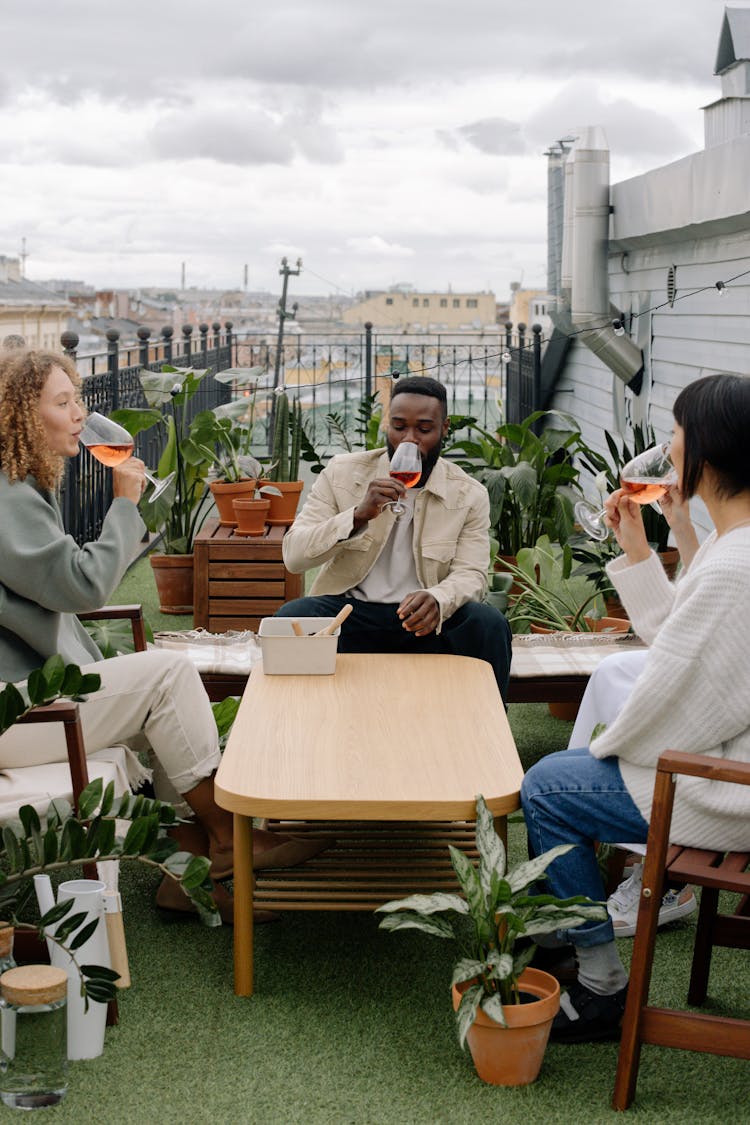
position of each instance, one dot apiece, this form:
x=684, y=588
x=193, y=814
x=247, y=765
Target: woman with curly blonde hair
x=23, y=450
x=46, y=579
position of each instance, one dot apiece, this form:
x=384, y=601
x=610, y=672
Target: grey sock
x=600, y=968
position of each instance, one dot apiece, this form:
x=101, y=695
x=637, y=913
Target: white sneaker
x=622, y=904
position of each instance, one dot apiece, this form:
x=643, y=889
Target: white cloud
x=406, y=140
x=376, y=246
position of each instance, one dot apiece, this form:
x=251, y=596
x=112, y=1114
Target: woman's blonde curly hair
x=23, y=444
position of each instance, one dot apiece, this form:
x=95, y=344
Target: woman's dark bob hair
x=714, y=413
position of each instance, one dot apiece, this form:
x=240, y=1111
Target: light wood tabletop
x=388, y=737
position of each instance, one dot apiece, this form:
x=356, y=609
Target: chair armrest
x=701, y=765
x=134, y=613
x=65, y=711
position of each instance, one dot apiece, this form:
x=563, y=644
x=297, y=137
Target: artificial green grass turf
x=349, y=1024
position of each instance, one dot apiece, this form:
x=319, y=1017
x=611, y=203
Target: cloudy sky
x=382, y=142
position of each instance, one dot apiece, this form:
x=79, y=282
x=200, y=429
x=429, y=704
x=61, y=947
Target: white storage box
x=285, y=654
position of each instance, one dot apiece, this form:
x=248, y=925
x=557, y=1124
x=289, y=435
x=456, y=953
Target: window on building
x=472, y=303
x=443, y=302
x=415, y=301
x=389, y=300
x=426, y=302
x=456, y=303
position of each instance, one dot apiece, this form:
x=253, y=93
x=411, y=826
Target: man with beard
x=414, y=581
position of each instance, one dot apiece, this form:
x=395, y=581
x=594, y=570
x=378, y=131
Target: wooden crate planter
x=239, y=580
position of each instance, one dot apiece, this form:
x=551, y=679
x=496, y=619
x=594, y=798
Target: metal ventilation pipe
x=585, y=253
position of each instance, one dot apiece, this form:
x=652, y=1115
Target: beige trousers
x=157, y=695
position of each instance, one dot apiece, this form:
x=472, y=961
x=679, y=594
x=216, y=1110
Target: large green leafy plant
x=180, y=510
x=500, y=906
x=32, y=847
x=531, y=478
x=549, y=592
x=228, y=429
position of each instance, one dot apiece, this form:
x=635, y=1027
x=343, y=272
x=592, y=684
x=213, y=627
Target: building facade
x=405, y=309
x=677, y=265
x=29, y=310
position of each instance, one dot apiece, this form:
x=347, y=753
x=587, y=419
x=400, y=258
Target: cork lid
x=34, y=984
x=6, y=939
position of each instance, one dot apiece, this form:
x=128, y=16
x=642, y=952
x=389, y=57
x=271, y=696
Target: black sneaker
x=598, y=1017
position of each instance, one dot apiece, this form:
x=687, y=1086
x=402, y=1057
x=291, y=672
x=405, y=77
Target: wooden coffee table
x=397, y=745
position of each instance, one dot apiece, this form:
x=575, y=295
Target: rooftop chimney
x=729, y=117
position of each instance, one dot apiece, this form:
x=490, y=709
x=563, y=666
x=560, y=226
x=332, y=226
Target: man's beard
x=428, y=462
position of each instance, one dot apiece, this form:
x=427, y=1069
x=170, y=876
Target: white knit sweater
x=693, y=694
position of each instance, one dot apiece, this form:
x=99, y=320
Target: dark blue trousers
x=475, y=629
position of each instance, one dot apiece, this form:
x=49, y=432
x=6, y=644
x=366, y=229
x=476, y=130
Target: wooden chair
x=714, y=872
x=27, y=945
x=67, y=712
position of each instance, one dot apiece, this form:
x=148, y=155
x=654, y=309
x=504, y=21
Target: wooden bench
x=539, y=674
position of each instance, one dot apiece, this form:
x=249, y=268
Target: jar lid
x=6, y=939
x=34, y=984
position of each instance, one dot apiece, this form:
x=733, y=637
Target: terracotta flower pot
x=224, y=492
x=251, y=516
x=284, y=506
x=512, y=1055
x=173, y=575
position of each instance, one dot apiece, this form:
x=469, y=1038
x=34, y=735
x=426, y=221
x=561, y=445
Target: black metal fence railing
x=490, y=376
x=86, y=490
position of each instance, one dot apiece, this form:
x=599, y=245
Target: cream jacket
x=451, y=531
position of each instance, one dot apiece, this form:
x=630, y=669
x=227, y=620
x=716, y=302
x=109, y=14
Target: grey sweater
x=46, y=578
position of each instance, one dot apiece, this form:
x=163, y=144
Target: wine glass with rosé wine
x=111, y=444
x=406, y=466
x=646, y=478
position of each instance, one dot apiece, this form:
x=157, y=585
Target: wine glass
x=111, y=444
x=406, y=466
x=645, y=478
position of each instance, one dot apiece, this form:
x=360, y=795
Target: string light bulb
x=618, y=328
x=505, y=357
x=721, y=288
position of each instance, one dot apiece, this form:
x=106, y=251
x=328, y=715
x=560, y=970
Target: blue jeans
x=475, y=629
x=574, y=798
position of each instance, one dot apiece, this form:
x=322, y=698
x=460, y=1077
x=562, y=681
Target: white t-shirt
x=394, y=574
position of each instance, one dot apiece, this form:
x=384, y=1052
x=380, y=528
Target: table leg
x=501, y=827
x=243, y=905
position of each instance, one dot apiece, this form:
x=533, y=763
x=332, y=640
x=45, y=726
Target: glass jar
x=34, y=1056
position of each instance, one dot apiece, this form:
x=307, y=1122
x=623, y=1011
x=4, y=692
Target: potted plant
x=550, y=596
x=28, y=847
x=221, y=434
x=607, y=479
x=592, y=556
x=289, y=443
x=179, y=512
x=252, y=511
x=504, y=1008
x=531, y=478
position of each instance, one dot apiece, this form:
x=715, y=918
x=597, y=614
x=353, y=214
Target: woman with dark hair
x=686, y=697
x=46, y=579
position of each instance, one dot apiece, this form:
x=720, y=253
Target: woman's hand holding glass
x=112, y=445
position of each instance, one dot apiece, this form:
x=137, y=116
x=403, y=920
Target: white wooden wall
x=700, y=334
